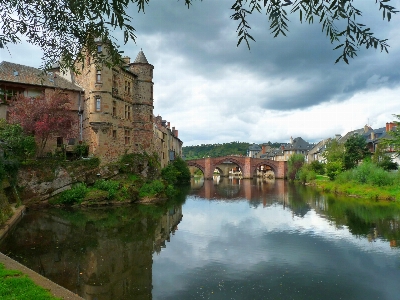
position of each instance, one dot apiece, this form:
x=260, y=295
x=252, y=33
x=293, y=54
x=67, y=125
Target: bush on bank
x=129, y=186
x=366, y=180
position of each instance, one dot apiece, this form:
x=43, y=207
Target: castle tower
x=143, y=104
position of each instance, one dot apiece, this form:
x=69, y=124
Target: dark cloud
x=206, y=37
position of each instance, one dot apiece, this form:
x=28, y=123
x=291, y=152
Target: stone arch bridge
x=248, y=165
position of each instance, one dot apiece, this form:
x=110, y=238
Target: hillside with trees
x=216, y=150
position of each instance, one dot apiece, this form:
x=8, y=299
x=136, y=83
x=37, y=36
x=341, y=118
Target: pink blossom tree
x=45, y=116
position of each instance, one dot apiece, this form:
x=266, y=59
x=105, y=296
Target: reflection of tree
x=358, y=226
x=362, y=216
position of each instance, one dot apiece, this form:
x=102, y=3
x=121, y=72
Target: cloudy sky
x=215, y=92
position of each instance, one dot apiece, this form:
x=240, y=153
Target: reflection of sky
x=232, y=250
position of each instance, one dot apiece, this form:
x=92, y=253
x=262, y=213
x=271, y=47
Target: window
x=127, y=112
x=98, y=103
x=127, y=87
x=114, y=134
x=127, y=136
x=114, y=109
x=6, y=94
x=59, y=141
x=150, y=118
x=99, y=48
x=98, y=76
x=115, y=83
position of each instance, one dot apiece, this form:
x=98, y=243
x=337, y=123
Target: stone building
x=31, y=82
x=166, y=141
x=114, y=106
x=118, y=107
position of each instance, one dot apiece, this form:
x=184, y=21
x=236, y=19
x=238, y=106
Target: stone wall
x=38, y=183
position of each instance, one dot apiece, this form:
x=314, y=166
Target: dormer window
x=99, y=48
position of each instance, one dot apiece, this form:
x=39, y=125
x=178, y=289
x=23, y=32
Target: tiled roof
x=254, y=147
x=298, y=144
x=140, y=58
x=365, y=131
x=16, y=73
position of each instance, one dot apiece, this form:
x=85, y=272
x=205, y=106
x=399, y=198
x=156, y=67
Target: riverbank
x=353, y=189
x=31, y=283
x=30, y=290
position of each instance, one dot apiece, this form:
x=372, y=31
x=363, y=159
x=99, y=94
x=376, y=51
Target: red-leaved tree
x=44, y=116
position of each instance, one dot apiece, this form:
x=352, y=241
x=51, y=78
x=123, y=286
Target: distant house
x=254, y=150
x=316, y=152
x=296, y=146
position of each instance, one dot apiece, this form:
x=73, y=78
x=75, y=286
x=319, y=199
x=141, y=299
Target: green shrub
x=367, y=173
x=184, y=172
x=317, y=167
x=344, y=177
x=170, y=174
x=75, y=195
x=295, y=162
x=110, y=186
x=177, y=172
x=151, y=189
x=333, y=169
x=306, y=174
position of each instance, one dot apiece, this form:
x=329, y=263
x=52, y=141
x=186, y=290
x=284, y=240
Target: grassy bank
x=16, y=285
x=353, y=188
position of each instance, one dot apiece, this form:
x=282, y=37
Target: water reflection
x=239, y=239
x=362, y=217
x=98, y=254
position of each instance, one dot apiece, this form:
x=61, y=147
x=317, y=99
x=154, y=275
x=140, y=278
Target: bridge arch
x=265, y=163
x=248, y=165
x=220, y=160
x=192, y=165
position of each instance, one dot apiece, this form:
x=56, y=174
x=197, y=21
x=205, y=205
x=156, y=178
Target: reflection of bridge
x=248, y=165
x=231, y=189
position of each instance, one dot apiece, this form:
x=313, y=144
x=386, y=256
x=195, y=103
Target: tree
x=355, y=150
x=62, y=28
x=295, y=162
x=334, y=155
x=393, y=140
x=177, y=172
x=15, y=144
x=44, y=116
x=383, y=160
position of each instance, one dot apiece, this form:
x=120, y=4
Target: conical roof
x=140, y=58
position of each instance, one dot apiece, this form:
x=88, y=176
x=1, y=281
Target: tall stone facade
x=118, y=112
x=118, y=107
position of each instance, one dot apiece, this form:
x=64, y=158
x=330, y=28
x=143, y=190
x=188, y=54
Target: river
x=222, y=239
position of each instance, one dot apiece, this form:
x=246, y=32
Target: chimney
x=372, y=135
x=337, y=136
x=389, y=126
x=283, y=147
x=263, y=149
x=291, y=140
x=173, y=129
x=176, y=133
x=168, y=124
x=127, y=60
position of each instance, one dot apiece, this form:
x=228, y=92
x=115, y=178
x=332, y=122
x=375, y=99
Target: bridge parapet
x=248, y=165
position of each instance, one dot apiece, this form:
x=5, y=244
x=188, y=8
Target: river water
x=222, y=239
